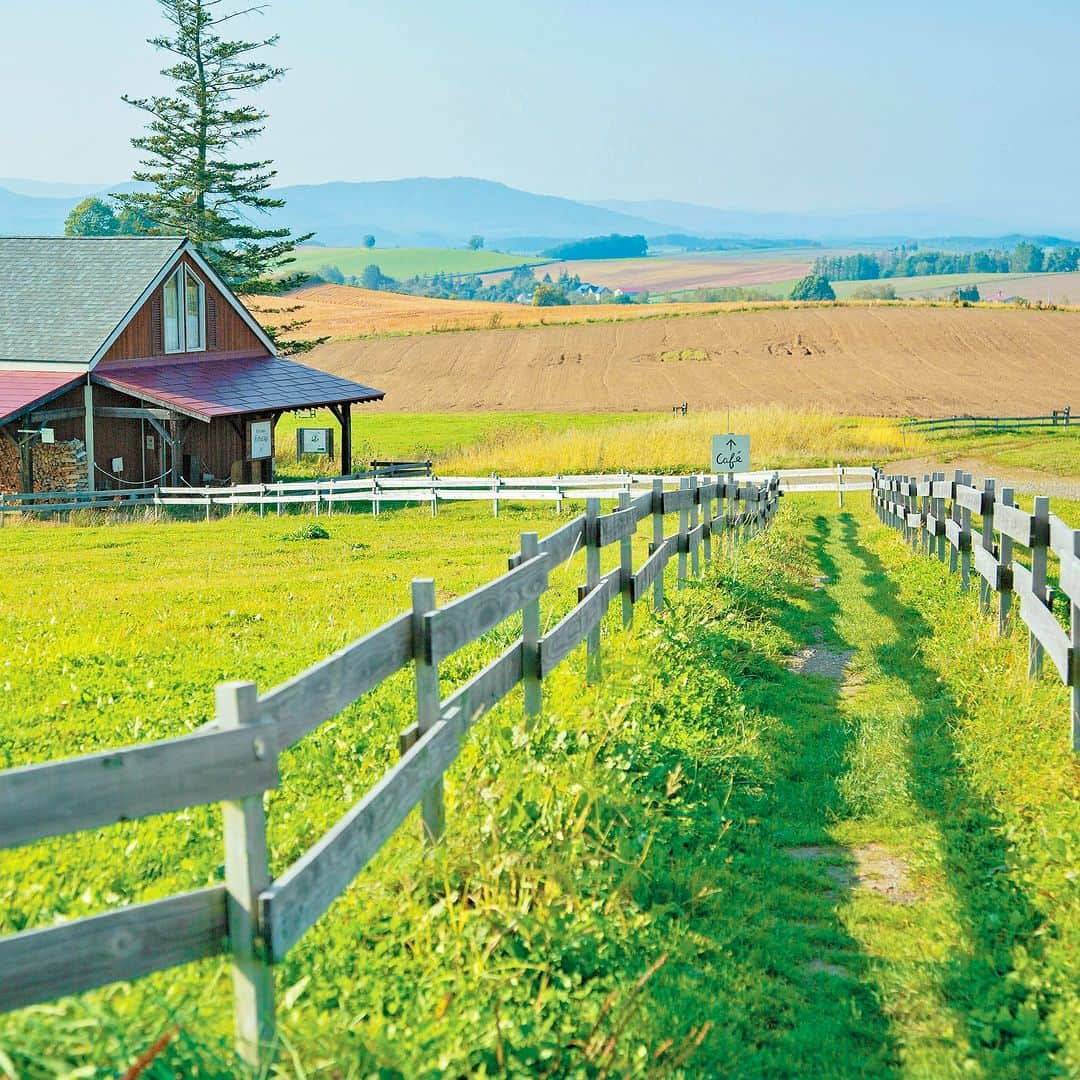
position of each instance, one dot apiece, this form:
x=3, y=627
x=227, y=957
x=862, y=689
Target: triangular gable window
x=184, y=312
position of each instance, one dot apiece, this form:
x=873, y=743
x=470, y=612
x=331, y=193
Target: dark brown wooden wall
x=226, y=332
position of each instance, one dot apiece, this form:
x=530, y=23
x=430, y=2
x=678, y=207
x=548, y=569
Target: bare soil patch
x=868, y=866
x=859, y=360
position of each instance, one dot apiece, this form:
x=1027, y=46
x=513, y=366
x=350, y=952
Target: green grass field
x=667, y=876
x=404, y=263
x=546, y=443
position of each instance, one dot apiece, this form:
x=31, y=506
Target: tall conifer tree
x=196, y=188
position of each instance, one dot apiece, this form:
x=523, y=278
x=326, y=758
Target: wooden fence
x=234, y=758
x=1059, y=417
x=938, y=515
x=331, y=495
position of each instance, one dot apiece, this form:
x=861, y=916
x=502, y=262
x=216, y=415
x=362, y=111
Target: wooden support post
x=1006, y=561
x=695, y=558
x=247, y=873
x=939, y=515
x=495, y=492
x=658, y=539
x=985, y=588
x=26, y=464
x=346, y=439
x=926, y=540
x=1041, y=535
x=530, y=638
x=684, y=534
x=965, y=556
x=88, y=435
x=626, y=566
x=954, y=515
x=432, y=806
x=592, y=579
x=839, y=486
x=706, y=517
x=1074, y=640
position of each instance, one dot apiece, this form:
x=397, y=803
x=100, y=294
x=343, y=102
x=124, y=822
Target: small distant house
x=134, y=351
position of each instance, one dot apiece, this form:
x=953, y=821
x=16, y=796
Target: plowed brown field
x=870, y=360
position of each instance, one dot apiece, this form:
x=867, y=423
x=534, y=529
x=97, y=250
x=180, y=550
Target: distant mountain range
x=427, y=212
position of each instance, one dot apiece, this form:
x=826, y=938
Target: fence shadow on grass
x=995, y=1007
x=804, y=1000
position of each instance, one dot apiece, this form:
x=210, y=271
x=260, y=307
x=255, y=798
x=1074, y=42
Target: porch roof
x=21, y=390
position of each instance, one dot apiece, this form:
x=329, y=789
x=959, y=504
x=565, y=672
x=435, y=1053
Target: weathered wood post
x=658, y=539
x=592, y=579
x=626, y=566
x=1040, y=536
x=939, y=518
x=684, y=534
x=530, y=639
x=1074, y=640
x=432, y=805
x=495, y=492
x=988, y=496
x=924, y=507
x=954, y=516
x=1006, y=561
x=965, y=540
x=706, y=517
x=695, y=558
x=840, y=485
x=247, y=873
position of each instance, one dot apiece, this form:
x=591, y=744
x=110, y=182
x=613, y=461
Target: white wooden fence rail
x=233, y=758
x=936, y=514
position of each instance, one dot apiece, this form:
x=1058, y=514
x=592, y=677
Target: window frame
x=179, y=280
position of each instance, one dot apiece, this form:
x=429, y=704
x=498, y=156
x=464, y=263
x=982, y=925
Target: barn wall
x=226, y=333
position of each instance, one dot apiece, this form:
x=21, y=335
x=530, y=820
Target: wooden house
x=133, y=349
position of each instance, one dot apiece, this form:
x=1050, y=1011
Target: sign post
x=730, y=453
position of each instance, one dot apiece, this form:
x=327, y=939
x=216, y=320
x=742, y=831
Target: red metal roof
x=233, y=387
x=21, y=390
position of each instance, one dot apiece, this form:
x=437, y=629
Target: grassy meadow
x=666, y=877
x=403, y=263
x=479, y=443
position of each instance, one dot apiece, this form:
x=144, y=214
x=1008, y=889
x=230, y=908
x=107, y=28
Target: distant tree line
x=614, y=246
x=1024, y=258
x=686, y=242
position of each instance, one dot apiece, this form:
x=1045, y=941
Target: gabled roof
x=62, y=297
x=232, y=386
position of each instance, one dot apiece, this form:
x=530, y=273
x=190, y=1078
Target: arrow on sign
x=731, y=444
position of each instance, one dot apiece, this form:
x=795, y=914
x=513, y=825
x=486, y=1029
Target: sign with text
x=314, y=440
x=730, y=453
x=260, y=440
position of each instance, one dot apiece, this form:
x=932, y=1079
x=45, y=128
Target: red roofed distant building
x=136, y=348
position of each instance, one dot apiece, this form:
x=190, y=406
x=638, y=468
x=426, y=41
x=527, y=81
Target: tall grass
x=780, y=438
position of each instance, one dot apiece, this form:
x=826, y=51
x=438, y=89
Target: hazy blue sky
x=772, y=105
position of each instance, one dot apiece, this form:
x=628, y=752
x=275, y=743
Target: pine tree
x=197, y=190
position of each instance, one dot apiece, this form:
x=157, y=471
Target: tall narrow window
x=174, y=337
x=184, y=313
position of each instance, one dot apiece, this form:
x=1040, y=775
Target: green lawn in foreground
x=404, y=263
x=659, y=880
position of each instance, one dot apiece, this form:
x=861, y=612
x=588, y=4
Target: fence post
x=840, y=485
x=558, y=493
x=1074, y=634
x=684, y=518
x=965, y=555
x=495, y=492
x=925, y=540
x=432, y=806
x=658, y=539
x=247, y=873
x=626, y=566
x=695, y=560
x=530, y=638
x=1041, y=533
x=706, y=517
x=939, y=515
x=592, y=579
x=989, y=495
x=954, y=516
x=1006, y=560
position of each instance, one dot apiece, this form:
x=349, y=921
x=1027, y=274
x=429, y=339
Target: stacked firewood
x=57, y=466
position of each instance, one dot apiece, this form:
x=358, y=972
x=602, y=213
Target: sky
x=836, y=105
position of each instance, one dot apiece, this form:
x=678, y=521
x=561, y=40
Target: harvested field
x=343, y=311
x=876, y=360
x=659, y=274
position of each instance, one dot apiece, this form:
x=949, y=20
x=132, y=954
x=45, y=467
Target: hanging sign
x=314, y=440
x=260, y=440
x=730, y=453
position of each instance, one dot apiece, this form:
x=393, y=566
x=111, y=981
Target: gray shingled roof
x=61, y=297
